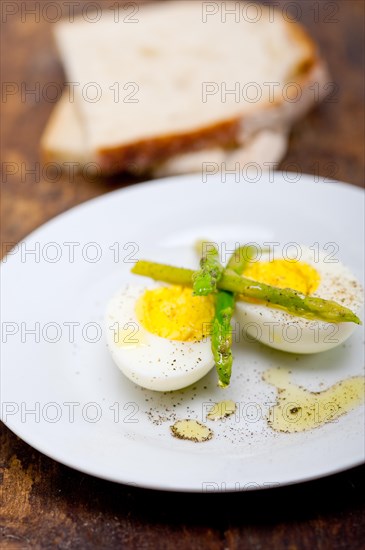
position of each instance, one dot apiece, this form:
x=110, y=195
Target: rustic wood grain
x=47, y=505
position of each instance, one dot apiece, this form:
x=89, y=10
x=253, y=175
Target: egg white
x=281, y=330
x=148, y=360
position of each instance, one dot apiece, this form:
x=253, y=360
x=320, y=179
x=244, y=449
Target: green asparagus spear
x=291, y=300
x=241, y=257
x=206, y=278
x=222, y=336
x=163, y=272
x=224, y=308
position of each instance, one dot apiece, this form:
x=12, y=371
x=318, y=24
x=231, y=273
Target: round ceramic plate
x=61, y=392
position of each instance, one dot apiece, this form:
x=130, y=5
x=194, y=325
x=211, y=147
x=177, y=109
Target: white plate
x=119, y=431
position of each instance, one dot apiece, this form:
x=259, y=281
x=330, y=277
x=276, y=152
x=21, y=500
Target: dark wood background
x=47, y=505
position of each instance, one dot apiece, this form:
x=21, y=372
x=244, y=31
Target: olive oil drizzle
x=298, y=409
x=221, y=410
x=192, y=430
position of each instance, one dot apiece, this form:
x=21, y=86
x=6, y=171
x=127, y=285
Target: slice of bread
x=173, y=72
x=263, y=141
x=63, y=139
x=63, y=143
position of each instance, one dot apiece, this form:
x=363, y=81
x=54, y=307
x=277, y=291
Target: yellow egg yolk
x=285, y=274
x=174, y=313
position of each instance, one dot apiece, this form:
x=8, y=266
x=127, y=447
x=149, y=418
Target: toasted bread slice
x=175, y=82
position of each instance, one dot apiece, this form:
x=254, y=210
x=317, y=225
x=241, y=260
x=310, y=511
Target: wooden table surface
x=47, y=505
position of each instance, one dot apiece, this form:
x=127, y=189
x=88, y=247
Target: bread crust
x=140, y=156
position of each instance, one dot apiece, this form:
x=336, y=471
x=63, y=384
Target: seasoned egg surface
x=312, y=277
x=159, y=336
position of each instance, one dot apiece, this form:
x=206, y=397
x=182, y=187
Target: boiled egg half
x=312, y=275
x=159, y=336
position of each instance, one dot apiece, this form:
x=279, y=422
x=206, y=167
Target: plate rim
x=138, y=188
x=163, y=180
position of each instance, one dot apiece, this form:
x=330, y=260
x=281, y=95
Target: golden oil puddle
x=191, y=430
x=298, y=409
x=221, y=410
